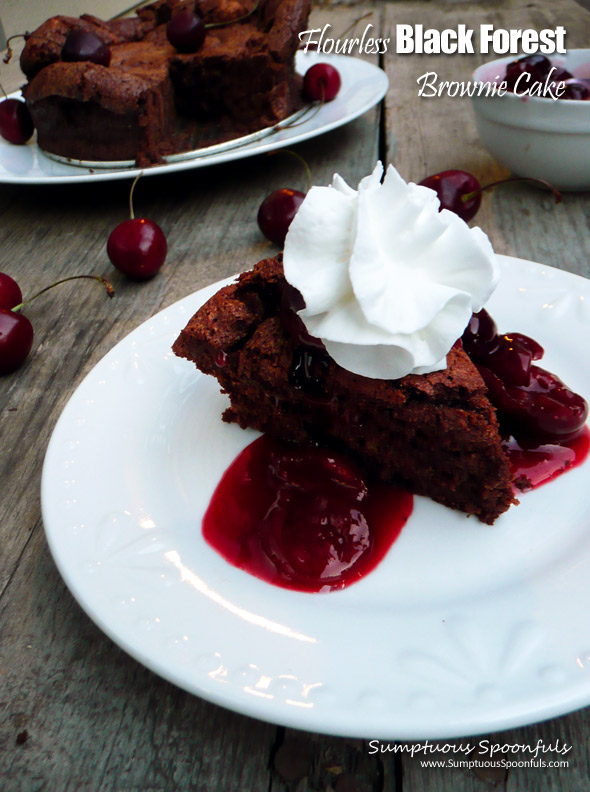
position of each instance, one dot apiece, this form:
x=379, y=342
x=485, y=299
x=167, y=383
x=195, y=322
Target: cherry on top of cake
x=269, y=25
x=44, y=45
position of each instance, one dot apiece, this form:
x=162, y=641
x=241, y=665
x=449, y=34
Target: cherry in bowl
x=537, y=67
x=578, y=90
x=532, y=135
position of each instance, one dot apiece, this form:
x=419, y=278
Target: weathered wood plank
x=20, y=15
x=431, y=135
x=94, y=719
x=305, y=761
x=309, y=762
x=91, y=718
x=568, y=731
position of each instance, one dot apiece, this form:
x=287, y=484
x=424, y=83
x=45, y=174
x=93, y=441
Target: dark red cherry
x=480, y=336
x=533, y=347
x=10, y=293
x=509, y=356
x=16, y=124
x=321, y=83
x=186, y=31
x=576, y=89
x=137, y=247
x=303, y=468
x=559, y=74
x=481, y=340
x=221, y=358
x=298, y=517
x=309, y=538
x=537, y=66
x=315, y=528
x=276, y=213
x=532, y=403
x=16, y=339
x=452, y=187
x=291, y=302
x=83, y=45
x=310, y=366
x=460, y=192
x=16, y=331
x=558, y=409
x=546, y=410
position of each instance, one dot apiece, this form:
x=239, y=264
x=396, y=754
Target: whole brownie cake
x=435, y=434
x=151, y=100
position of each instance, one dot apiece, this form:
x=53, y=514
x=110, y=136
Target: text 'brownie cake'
x=152, y=100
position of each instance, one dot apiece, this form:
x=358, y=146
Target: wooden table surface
x=77, y=714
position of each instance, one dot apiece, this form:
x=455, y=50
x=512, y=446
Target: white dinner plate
x=463, y=628
x=363, y=86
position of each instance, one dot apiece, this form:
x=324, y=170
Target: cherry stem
x=310, y=112
x=131, y=191
x=297, y=157
x=8, y=56
x=355, y=23
x=231, y=21
x=556, y=194
x=105, y=283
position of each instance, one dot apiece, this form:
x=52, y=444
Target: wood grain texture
x=76, y=713
x=20, y=15
x=425, y=136
x=569, y=730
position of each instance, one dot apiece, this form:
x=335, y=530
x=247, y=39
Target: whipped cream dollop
x=389, y=282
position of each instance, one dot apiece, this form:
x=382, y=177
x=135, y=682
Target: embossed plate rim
x=388, y=657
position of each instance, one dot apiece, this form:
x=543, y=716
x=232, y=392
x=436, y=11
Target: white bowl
x=538, y=137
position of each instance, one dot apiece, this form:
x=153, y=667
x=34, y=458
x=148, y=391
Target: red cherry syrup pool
x=305, y=519
x=536, y=465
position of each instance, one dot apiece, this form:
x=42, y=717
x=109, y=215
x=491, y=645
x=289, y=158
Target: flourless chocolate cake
x=152, y=100
x=435, y=434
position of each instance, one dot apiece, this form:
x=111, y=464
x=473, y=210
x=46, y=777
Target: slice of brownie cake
x=435, y=434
